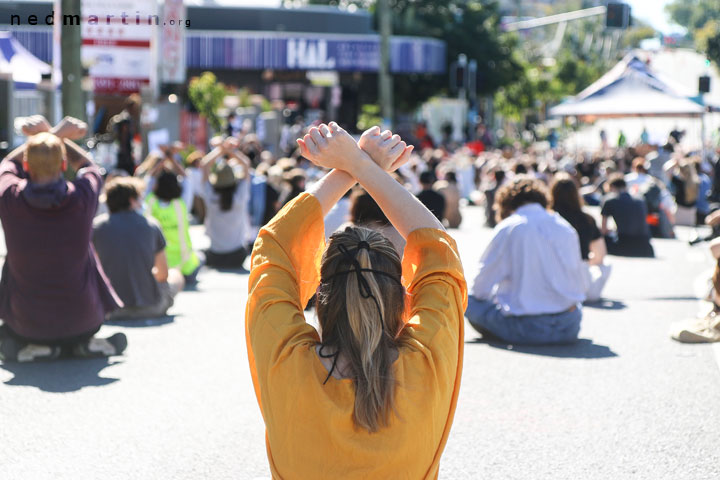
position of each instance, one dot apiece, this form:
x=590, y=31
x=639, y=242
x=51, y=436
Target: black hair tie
x=363, y=286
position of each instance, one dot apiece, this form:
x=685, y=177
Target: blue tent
x=26, y=69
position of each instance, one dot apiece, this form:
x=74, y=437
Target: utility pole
x=71, y=42
x=384, y=75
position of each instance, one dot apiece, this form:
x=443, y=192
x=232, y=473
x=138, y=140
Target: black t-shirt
x=629, y=213
x=434, y=202
x=585, y=227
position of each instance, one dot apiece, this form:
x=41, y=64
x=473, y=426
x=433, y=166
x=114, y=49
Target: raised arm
x=335, y=148
x=385, y=149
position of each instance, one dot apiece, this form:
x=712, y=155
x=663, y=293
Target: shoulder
x=101, y=222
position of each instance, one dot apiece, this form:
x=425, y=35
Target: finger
x=303, y=148
x=397, y=150
x=386, y=134
x=320, y=141
x=335, y=127
x=393, y=141
x=324, y=130
x=372, y=131
x=404, y=158
x=311, y=145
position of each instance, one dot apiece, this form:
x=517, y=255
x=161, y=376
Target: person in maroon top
x=53, y=292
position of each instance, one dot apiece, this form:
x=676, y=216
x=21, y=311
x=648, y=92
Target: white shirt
x=227, y=229
x=532, y=265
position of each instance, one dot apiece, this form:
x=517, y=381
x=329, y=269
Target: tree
x=693, y=14
x=206, y=95
x=471, y=27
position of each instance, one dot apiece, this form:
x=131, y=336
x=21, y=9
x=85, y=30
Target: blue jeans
x=487, y=318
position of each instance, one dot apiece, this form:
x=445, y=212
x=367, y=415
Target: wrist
x=359, y=164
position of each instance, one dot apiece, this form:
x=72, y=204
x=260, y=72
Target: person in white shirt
x=226, y=192
x=532, y=279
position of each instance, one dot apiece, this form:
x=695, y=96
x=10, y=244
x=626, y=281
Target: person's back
x=629, y=214
x=449, y=190
x=227, y=228
x=539, y=274
x=126, y=243
x=53, y=291
x=51, y=283
x=531, y=278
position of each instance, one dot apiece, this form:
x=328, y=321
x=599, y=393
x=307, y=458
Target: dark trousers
x=629, y=246
x=234, y=259
x=6, y=331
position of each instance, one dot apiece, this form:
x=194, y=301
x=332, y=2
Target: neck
x=42, y=181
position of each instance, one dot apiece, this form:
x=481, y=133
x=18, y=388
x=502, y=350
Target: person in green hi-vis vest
x=168, y=208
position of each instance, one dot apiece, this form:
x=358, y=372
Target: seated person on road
x=166, y=205
x=53, y=294
x=531, y=280
x=434, y=201
x=566, y=201
x=131, y=248
x=226, y=194
x=378, y=386
x=632, y=238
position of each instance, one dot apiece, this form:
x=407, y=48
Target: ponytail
x=360, y=304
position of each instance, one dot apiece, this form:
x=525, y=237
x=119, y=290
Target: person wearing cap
x=131, y=248
x=54, y=294
x=373, y=394
x=226, y=193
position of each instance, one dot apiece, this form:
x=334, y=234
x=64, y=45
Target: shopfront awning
x=298, y=51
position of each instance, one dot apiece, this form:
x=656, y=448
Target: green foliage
x=633, y=36
x=370, y=115
x=471, y=27
x=693, y=14
x=206, y=95
x=713, y=49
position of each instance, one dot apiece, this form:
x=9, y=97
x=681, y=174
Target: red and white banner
x=117, y=43
x=173, y=42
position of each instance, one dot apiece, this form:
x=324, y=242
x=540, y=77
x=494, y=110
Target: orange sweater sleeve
x=433, y=335
x=283, y=277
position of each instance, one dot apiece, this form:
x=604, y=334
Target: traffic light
x=704, y=84
x=617, y=15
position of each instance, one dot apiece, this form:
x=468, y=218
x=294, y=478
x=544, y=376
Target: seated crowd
x=129, y=244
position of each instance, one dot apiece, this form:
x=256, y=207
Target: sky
x=653, y=12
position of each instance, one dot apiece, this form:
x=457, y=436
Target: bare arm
x=331, y=188
x=604, y=228
x=160, y=269
x=209, y=160
x=337, y=149
x=77, y=157
x=598, y=250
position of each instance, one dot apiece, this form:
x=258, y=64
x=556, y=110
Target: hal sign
x=309, y=54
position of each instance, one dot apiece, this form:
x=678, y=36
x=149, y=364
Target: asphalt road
x=626, y=402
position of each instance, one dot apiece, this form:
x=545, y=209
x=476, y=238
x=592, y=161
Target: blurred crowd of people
x=556, y=216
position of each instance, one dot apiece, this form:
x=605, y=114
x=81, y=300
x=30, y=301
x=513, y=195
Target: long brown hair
x=363, y=330
x=565, y=196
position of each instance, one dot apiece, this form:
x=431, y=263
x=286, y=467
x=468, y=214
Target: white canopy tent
x=630, y=89
x=26, y=69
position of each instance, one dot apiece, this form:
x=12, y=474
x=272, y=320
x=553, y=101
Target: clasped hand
x=330, y=146
x=69, y=127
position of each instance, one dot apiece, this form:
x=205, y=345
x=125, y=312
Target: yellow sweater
x=310, y=429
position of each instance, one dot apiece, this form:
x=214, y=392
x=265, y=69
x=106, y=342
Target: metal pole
x=71, y=41
x=384, y=75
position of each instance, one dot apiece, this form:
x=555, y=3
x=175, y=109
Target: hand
x=70, y=128
x=331, y=147
x=33, y=125
x=386, y=149
x=216, y=141
x=230, y=144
